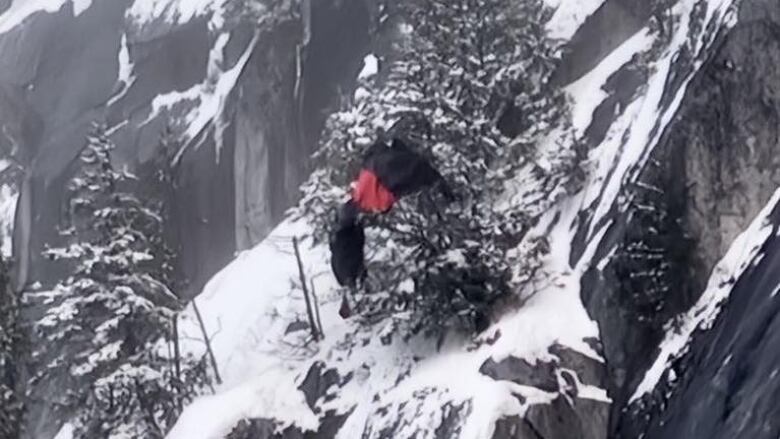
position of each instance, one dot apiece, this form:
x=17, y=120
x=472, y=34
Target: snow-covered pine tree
x=115, y=311
x=11, y=343
x=462, y=64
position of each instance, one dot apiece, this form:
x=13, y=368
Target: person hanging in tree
x=387, y=174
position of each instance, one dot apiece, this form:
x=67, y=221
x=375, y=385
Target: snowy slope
x=405, y=386
x=250, y=308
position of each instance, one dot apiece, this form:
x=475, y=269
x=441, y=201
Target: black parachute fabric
x=401, y=170
x=346, y=246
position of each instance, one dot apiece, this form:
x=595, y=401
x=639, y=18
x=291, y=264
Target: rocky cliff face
x=711, y=174
x=244, y=100
x=722, y=148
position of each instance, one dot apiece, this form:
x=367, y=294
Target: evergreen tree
x=113, y=314
x=463, y=63
x=11, y=341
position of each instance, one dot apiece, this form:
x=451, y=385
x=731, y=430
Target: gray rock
x=452, y=420
x=586, y=419
x=727, y=385
x=266, y=429
x=589, y=371
x=515, y=427
x=613, y=23
x=759, y=10
x=318, y=382
x=540, y=375
x=718, y=166
x=621, y=87
x=544, y=375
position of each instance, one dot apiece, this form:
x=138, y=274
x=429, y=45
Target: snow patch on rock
x=589, y=89
x=125, y=76
x=569, y=16
x=370, y=66
x=8, y=200
x=20, y=10
x=80, y=6
x=204, y=102
x=173, y=11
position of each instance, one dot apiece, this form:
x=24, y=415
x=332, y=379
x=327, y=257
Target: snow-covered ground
x=249, y=306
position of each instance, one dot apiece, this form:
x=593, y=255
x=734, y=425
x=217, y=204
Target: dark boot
x=344, y=310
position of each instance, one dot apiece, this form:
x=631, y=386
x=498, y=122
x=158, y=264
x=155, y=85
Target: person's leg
x=345, y=310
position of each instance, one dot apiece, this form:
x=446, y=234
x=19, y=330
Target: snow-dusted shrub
x=11, y=343
x=462, y=65
x=111, y=319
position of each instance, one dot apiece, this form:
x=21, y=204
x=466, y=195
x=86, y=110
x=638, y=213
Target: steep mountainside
x=655, y=317
x=682, y=123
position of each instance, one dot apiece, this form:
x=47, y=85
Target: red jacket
x=370, y=195
x=389, y=173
